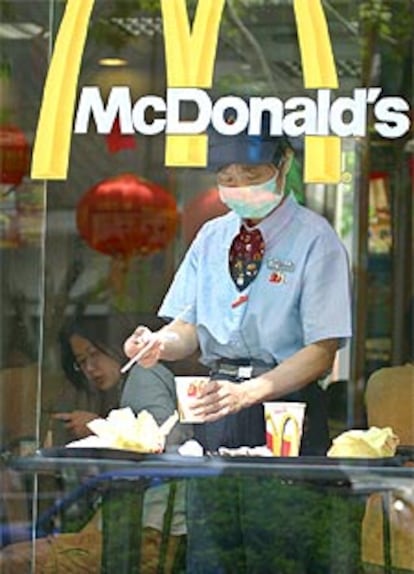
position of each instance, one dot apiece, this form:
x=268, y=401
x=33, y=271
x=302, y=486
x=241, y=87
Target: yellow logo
x=190, y=57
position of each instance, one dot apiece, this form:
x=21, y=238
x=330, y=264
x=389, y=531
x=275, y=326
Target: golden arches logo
x=190, y=57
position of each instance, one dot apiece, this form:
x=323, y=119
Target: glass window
x=88, y=250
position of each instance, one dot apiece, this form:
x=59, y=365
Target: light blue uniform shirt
x=301, y=294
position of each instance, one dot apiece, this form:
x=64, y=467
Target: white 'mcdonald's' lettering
x=300, y=116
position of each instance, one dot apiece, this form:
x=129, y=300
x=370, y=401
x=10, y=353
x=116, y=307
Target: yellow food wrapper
x=372, y=443
x=123, y=430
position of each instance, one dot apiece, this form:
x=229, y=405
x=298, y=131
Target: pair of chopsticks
x=136, y=358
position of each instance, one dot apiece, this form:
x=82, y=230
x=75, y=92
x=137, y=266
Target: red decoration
x=127, y=215
x=14, y=155
x=276, y=277
x=200, y=209
x=116, y=141
x=411, y=171
x=242, y=299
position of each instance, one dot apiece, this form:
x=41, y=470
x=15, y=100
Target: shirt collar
x=272, y=225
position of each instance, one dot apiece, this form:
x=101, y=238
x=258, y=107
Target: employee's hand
x=217, y=399
x=76, y=422
x=145, y=345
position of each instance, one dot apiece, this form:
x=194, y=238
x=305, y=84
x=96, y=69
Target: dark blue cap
x=244, y=148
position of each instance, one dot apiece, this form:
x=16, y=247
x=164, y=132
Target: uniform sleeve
x=325, y=302
x=181, y=298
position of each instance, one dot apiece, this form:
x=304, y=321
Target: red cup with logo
x=284, y=425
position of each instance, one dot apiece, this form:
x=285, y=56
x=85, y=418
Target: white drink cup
x=187, y=390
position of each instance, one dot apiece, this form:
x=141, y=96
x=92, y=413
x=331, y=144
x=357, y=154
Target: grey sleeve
x=154, y=390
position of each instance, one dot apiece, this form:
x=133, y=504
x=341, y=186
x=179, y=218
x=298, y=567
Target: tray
x=406, y=452
x=314, y=460
x=105, y=454
x=175, y=458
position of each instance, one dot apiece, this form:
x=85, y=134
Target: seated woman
x=92, y=357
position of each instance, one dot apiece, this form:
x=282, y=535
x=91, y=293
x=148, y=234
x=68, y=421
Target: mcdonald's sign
x=190, y=54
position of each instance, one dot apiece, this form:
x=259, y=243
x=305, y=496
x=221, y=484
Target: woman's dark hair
x=106, y=333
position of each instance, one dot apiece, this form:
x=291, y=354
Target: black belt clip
x=240, y=369
x=239, y=372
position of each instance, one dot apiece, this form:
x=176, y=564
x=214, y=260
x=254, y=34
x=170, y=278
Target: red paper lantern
x=127, y=215
x=200, y=209
x=14, y=155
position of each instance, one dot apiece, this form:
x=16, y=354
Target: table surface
x=361, y=475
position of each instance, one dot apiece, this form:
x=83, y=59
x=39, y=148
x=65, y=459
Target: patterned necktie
x=245, y=256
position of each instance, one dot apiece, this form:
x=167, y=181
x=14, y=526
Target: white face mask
x=252, y=201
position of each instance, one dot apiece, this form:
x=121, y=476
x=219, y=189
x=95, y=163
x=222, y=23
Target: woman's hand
x=218, y=398
x=145, y=345
x=76, y=422
x=171, y=343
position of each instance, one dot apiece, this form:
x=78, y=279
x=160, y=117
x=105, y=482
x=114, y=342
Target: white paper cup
x=187, y=389
x=284, y=426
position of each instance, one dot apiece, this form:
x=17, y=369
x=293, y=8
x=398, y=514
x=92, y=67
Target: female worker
x=264, y=293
